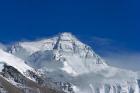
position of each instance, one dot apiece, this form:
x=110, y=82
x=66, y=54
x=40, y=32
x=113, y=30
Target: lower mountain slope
x=18, y=77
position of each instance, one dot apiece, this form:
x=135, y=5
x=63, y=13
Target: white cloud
x=116, y=54
x=101, y=41
x=2, y=46
x=126, y=60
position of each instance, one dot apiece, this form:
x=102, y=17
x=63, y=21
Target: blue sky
x=109, y=26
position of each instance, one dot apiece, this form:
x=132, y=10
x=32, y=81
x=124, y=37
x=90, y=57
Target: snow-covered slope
x=65, y=59
x=18, y=64
x=14, y=61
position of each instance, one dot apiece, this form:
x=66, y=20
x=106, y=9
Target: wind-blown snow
x=17, y=63
x=1, y=66
x=14, y=61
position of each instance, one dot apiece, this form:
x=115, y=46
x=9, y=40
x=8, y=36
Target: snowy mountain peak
x=56, y=42
x=64, y=58
x=68, y=42
x=64, y=48
x=66, y=36
x=63, y=42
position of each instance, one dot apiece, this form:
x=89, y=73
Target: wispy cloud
x=126, y=60
x=101, y=41
x=115, y=53
x=104, y=45
x=2, y=46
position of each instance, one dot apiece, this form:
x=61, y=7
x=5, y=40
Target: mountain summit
x=63, y=41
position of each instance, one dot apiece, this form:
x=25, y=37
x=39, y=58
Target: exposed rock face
x=11, y=73
x=21, y=83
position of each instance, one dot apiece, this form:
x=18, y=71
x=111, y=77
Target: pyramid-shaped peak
x=66, y=36
x=63, y=43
